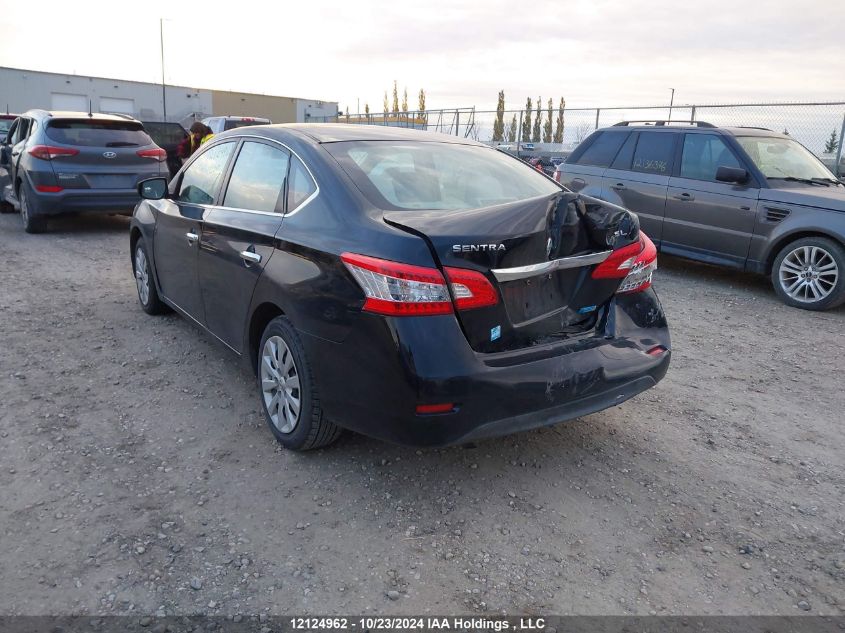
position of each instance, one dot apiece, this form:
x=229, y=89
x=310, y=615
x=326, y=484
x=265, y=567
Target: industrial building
x=21, y=90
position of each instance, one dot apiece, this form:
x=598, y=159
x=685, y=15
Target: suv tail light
x=48, y=152
x=397, y=289
x=634, y=264
x=156, y=154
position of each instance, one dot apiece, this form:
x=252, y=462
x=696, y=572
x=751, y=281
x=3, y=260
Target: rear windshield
x=231, y=124
x=440, y=176
x=165, y=133
x=98, y=133
x=5, y=126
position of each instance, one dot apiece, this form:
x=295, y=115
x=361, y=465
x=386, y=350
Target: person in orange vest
x=198, y=134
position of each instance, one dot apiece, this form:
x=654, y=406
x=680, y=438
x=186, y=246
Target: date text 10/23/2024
x=427, y=623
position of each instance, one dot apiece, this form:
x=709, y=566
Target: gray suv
x=69, y=162
x=747, y=198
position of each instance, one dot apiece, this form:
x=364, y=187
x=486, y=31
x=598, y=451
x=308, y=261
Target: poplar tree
x=559, y=125
x=499, y=122
x=395, y=98
x=547, y=126
x=511, y=137
x=526, y=121
x=535, y=132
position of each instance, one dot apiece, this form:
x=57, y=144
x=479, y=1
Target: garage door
x=72, y=103
x=117, y=106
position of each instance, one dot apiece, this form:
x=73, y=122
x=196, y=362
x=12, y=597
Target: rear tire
x=288, y=391
x=144, y=282
x=32, y=223
x=810, y=274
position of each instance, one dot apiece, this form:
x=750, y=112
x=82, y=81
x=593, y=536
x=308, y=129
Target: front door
x=239, y=235
x=705, y=219
x=179, y=226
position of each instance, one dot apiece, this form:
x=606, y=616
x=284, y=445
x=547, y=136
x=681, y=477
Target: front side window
x=301, y=185
x=783, y=158
x=702, y=156
x=654, y=153
x=438, y=176
x=98, y=133
x=602, y=151
x=203, y=177
x=258, y=178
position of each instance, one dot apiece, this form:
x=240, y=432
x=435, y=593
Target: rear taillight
x=397, y=289
x=48, y=152
x=634, y=264
x=471, y=289
x=156, y=154
x=556, y=175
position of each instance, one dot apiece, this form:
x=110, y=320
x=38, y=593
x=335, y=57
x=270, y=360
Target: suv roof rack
x=659, y=122
x=754, y=127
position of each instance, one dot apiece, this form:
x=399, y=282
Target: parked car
x=222, y=123
x=69, y=162
x=167, y=135
x=415, y=287
x=747, y=198
x=6, y=121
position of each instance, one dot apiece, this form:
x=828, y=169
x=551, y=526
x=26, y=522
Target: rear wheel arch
x=261, y=316
x=134, y=236
x=783, y=241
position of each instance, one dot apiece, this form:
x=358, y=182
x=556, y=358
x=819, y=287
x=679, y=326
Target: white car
x=222, y=123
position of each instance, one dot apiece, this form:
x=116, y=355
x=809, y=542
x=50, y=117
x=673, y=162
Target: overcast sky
x=593, y=52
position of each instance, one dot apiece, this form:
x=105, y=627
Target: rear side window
x=301, y=186
x=5, y=126
x=703, y=154
x=231, y=124
x=165, y=133
x=258, y=178
x=654, y=153
x=442, y=176
x=625, y=156
x=94, y=133
x=203, y=177
x=602, y=151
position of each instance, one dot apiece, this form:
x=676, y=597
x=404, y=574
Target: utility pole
x=163, y=91
x=671, y=102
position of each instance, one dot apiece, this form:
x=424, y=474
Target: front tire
x=810, y=274
x=32, y=223
x=144, y=283
x=288, y=390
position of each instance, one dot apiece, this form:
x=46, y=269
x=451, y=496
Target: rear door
x=179, y=225
x=583, y=170
x=238, y=236
x=638, y=178
x=705, y=219
x=107, y=155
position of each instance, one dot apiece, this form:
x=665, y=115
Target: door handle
x=192, y=238
x=250, y=258
x=684, y=197
x=619, y=187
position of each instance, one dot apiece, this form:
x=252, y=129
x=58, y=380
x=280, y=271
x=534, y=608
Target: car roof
x=66, y=114
x=733, y=131
x=337, y=132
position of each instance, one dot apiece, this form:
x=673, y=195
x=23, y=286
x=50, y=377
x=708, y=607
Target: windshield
x=783, y=158
x=445, y=176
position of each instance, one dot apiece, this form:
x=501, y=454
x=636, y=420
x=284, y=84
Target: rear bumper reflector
x=48, y=188
x=430, y=409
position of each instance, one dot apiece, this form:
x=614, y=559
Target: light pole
x=671, y=102
x=163, y=91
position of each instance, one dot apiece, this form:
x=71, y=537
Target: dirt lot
x=137, y=475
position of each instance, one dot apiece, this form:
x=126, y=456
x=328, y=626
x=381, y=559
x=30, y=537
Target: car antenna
x=89, y=108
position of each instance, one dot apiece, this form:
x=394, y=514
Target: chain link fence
x=818, y=126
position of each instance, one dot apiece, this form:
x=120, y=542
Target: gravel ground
x=137, y=475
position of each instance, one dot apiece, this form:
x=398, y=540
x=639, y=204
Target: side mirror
x=153, y=188
x=731, y=174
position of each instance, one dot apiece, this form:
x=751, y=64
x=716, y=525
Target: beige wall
x=277, y=109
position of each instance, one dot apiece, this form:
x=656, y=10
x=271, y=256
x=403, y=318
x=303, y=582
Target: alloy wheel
x=280, y=384
x=808, y=274
x=24, y=207
x=142, y=275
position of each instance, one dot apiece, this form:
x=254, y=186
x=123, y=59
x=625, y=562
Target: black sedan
x=414, y=287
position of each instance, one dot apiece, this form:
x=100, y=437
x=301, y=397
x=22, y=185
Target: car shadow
x=93, y=223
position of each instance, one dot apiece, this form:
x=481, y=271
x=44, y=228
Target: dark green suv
x=747, y=198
